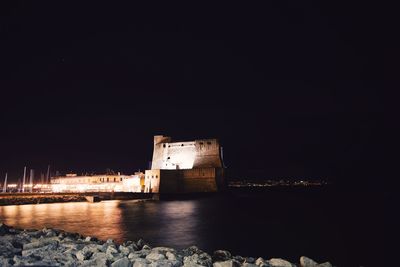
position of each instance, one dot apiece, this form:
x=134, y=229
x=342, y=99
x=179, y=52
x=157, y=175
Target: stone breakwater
x=53, y=247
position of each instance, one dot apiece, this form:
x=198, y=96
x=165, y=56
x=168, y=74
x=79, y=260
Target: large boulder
x=170, y=256
x=277, y=262
x=155, y=256
x=325, y=264
x=221, y=255
x=307, y=262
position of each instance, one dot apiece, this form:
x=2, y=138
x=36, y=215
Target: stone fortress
x=177, y=167
x=185, y=167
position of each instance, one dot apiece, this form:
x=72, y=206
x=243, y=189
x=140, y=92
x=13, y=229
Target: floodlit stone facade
x=185, y=167
x=98, y=183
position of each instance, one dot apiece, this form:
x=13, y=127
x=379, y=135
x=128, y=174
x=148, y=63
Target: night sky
x=291, y=89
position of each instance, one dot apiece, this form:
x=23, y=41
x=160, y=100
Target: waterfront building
x=185, y=167
x=98, y=183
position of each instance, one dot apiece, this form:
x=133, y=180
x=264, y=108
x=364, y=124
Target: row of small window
x=108, y=179
x=208, y=143
x=156, y=176
x=101, y=180
x=201, y=143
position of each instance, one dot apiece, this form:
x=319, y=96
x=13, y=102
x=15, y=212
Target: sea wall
x=53, y=247
x=38, y=198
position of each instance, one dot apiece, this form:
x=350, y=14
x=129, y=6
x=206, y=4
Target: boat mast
x=5, y=184
x=31, y=180
x=48, y=174
x=23, y=180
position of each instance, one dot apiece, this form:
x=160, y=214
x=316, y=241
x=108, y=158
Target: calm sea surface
x=317, y=222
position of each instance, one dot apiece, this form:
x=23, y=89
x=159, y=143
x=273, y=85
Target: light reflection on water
x=101, y=219
x=119, y=220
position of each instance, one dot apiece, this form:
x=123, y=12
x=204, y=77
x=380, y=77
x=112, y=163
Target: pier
x=37, y=198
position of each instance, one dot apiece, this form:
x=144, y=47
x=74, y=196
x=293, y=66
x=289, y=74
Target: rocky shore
x=53, y=247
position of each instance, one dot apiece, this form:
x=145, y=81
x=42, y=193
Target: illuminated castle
x=185, y=167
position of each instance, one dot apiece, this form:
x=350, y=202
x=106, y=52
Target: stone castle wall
x=185, y=155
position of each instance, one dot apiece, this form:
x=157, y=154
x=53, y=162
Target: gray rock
x=124, y=250
x=84, y=254
x=32, y=261
x=221, y=255
x=259, y=261
x=277, y=262
x=69, y=244
x=202, y=259
x=123, y=262
x=164, y=263
x=89, y=238
x=325, y=264
x=146, y=247
x=252, y=260
x=138, y=254
x=111, y=250
x=249, y=265
x=139, y=262
x=163, y=250
x=228, y=263
x=6, y=262
x=307, y=262
x=191, y=250
x=239, y=259
x=41, y=252
x=100, y=258
x=170, y=256
x=155, y=256
x=40, y=243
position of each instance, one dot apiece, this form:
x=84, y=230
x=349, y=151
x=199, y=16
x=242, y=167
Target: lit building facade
x=185, y=167
x=98, y=183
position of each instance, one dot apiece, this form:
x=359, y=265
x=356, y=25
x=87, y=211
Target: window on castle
x=163, y=145
x=201, y=143
x=209, y=143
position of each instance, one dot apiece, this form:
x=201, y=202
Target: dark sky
x=291, y=89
